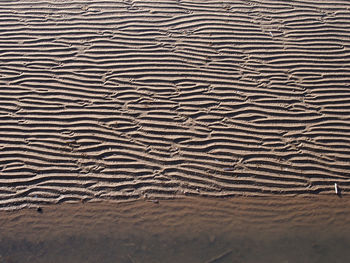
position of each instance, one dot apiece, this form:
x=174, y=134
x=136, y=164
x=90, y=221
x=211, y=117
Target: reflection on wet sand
x=271, y=229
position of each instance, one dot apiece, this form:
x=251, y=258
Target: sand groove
x=132, y=99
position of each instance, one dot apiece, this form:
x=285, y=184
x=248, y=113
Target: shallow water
x=186, y=230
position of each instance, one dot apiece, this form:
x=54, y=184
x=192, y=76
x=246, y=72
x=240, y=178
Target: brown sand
x=264, y=229
x=123, y=100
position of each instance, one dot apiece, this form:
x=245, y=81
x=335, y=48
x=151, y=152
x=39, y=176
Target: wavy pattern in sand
x=143, y=99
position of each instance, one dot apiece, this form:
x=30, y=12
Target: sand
x=203, y=230
x=130, y=100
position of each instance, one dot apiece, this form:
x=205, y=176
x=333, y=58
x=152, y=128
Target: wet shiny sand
x=289, y=229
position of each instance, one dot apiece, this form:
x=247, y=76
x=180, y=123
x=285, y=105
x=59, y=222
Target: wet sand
x=268, y=229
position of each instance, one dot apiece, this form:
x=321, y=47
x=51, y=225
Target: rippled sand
x=126, y=100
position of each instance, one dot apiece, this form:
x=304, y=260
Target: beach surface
x=204, y=230
x=192, y=131
x=128, y=100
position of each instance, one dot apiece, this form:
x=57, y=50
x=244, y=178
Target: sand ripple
x=142, y=99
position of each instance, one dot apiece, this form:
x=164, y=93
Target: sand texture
x=123, y=100
x=204, y=230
